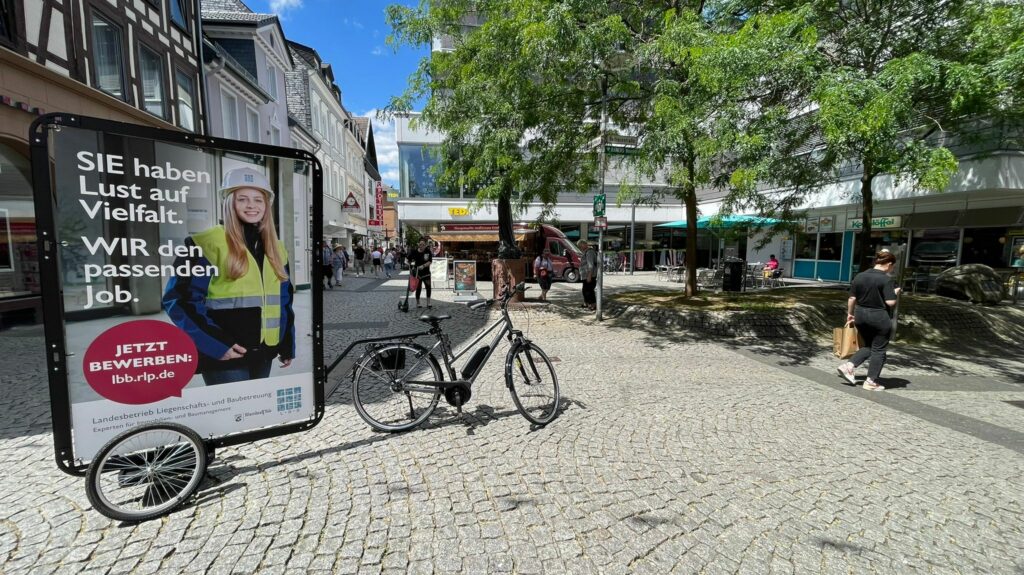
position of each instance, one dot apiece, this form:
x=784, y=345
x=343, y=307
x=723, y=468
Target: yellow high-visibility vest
x=251, y=290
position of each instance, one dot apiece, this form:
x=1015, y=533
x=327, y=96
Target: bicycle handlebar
x=506, y=295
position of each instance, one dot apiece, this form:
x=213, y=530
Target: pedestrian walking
x=359, y=257
x=327, y=268
x=873, y=297
x=389, y=262
x=375, y=259
x=588, y=272
x=338, y=263
x=419, y=265
x=543, y=269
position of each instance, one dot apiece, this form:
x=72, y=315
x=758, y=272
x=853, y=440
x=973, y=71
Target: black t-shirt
x=360, y=253
x=421, y=258
x=871, y=288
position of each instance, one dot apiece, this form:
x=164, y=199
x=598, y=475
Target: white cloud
x=282, y=6
x=377, y=51
x=352, y=23
x=387, y=147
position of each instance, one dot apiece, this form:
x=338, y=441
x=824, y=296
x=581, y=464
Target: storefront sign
x=380, y=202
x=826, y=224
x=458, y=211
x=350, y=205
x=883, y=223
x=811, y=225
x=160, y=321
x=476, y=227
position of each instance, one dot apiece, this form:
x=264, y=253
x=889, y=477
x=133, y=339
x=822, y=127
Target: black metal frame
x=448, y=355
x=52, y=292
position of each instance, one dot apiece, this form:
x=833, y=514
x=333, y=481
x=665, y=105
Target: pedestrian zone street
x=675, y=453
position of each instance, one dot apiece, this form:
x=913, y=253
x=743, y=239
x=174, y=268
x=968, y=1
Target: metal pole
x=632, y=237
x=600, y=233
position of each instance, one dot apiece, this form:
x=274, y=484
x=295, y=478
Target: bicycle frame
x=450, y=358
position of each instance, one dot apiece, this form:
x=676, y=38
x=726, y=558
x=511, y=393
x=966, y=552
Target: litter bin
x=732, y=279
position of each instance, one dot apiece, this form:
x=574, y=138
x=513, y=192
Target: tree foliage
x=761, y=102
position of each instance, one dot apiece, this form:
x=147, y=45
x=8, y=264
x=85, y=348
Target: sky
x=350, y=35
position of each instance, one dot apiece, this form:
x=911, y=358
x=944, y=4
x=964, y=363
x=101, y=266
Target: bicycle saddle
x=434, y=318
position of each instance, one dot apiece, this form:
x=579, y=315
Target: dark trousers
x=419, y=288
x=875, y=329
x=589, y=296
x=252, y=369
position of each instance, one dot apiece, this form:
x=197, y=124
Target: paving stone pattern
x=672, y=454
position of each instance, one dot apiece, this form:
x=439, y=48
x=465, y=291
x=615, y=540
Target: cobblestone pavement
x=672, y=454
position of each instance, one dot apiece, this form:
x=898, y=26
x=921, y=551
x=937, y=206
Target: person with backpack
x=543, y=270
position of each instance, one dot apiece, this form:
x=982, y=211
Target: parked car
x=934, y=253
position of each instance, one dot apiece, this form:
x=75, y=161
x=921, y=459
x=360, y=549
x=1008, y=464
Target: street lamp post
x=632, y=237
x=600, y=231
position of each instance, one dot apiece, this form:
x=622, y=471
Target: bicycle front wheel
x=146, y=472
x=531, y=380
x=390, y=389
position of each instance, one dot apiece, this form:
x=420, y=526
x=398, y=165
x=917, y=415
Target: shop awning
x=474, y=236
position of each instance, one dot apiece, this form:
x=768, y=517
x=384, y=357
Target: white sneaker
x=872, y=386
x=847, y=371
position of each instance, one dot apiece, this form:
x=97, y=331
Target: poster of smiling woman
x=178, y=285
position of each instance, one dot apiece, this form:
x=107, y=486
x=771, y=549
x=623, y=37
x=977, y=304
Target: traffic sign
x=599, y=205
x=600, y=223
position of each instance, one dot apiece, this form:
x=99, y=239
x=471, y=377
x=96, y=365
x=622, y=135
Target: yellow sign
x=458, y=211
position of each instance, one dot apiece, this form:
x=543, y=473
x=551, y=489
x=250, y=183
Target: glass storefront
x=416, y=165
x=19, y=272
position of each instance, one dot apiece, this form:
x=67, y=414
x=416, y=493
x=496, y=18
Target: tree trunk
x=507, y=248
x=690, y=199
x=868, y=202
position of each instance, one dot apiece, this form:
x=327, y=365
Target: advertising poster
x=176, y=266
x=811, y=225
x=439, y=272
x=826, y=224
x=465, y=276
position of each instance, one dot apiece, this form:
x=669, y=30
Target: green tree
x=891, y=81
x=520, y=97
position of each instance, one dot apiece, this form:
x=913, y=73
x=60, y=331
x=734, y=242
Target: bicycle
x=384, y=385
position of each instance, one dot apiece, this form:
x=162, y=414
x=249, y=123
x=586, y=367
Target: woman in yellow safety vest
x=239, y=317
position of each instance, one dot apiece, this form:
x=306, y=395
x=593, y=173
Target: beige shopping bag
x=845, y=341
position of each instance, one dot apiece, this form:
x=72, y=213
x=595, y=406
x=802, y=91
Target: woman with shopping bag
x=870, y=306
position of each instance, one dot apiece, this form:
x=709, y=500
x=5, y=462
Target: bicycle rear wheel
x=385, y=389
x=146, y=472
x=532, y=382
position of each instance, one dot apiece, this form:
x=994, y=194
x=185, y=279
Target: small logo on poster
x=289, y=399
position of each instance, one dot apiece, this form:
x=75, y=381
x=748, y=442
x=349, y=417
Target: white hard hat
x=245, y=178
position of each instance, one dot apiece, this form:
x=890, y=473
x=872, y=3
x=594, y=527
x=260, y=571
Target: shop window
x=186, y=101
x=935, y=248
x=152, y=68
x=830, y=247
x=108, y=59
x=988, y=246
x=804, y=246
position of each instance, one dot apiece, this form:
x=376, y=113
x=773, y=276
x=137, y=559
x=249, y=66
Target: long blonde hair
x=238, y=261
